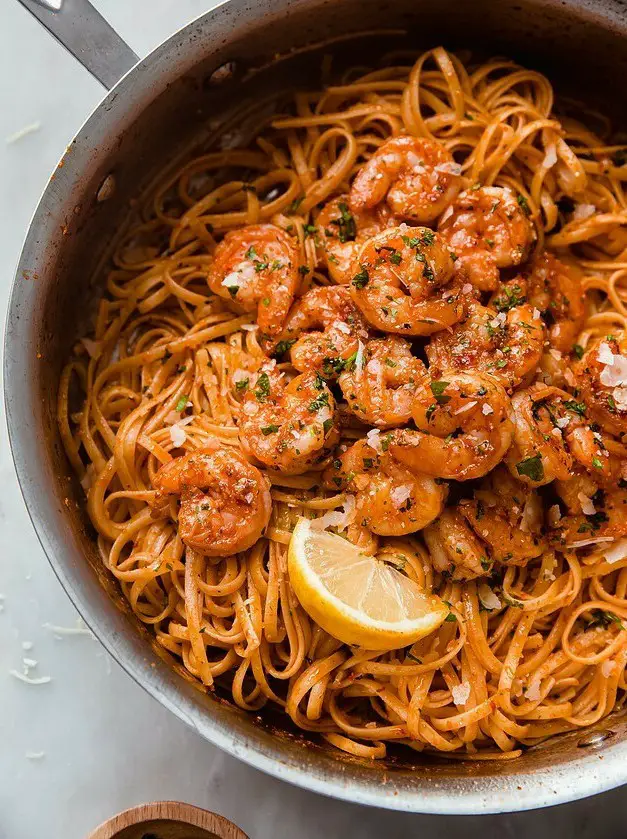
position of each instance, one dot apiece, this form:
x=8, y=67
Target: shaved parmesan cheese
x=554, y=515
x=359, y=358
x=615, y=374
x=88, y=478
x=607, y=668
x=23, y=132
x=605, y=354
x=342, y=327
x=250, y=408
x=562, y=422
x=449, y=168
x=22, y=677
x=34, y=755
x=374, y=366
x=461, y=693
x=486, y=409
x=177, y=435
x=373, y=438
x=27, y=645
x=536, y=314
x=556, y=354
x=469, y=406
x=487, y=597
x=620, y=398
x=550, y=158
x=244, y=273
x=529, y=514
x=337, y=518
x=616, y=552
x=60, y=631
x=447, y=214
x=466, y=288
x=582, y=543
x=29, y=663
x=583, y=211
x=250, y=327
x=587, y=507
x=533, y=691
x=399, y=495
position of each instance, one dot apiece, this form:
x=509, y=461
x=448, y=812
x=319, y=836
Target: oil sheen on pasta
x=406, y=304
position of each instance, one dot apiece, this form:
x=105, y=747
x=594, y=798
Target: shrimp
x=508, y=345
x=332, y=325
x=555, y=289
x=289, y=427
x=508, y=517
x=340, y=232
x=400, y=282
x=487, y=229
x=455, y=550
x=256, y=268
x=538, y=454
x=225, y=501
x=601, y=378
x=464, y=429
x=417, y=177
x=379, y=388
x=603, y=517
x=390, y=499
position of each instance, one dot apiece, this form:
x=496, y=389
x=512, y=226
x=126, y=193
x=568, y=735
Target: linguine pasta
x=532, y=650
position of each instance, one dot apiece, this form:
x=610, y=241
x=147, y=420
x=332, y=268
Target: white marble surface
x=104, y=744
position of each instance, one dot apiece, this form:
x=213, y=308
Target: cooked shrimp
x=256, y=268
x=379, y=386
x=555, y=289
x=538, y=454
x=463, y=425
x=288, y=427
x=455, y=550
x=323, y=329
x=341, y=231
x=390, y=499
x=603, y=458
x=487, y=229
x=508, y=517
x=603, y=518
x=508, y=345
x=417, y=177
x=400, y=282
x=601, y=377
x=225, y=501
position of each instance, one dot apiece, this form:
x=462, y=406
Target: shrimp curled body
x=380, y=390
x=463, y=423
x=402, y=282
x=417, y=177
x=390, y=499
x=288, y=427
x=487, y=229
x=256, y=269
x=225, y=501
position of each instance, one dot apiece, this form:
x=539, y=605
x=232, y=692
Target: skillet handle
x=82, y=30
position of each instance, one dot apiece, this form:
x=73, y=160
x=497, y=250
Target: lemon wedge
x=355, y=597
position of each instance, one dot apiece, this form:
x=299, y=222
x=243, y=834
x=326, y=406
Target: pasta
x=536, y=644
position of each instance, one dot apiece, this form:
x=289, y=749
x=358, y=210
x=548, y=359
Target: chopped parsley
x=347, y=229
x=304, y=270
x=512, y=296
x=242, y=385
x=269, y=429
x=523, y=204
x=437, y=389
x=262, y=391
x=319, y=402
x=361, y=279
x=283, y=346
x=578, y=351
x=293, y=207
x=180, y=405
x=310, y=229
x=395, y=258
x=531, y=467
x=576, y=407
x=596, y=462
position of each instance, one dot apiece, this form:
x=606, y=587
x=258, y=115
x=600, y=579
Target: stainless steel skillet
x=178, y=98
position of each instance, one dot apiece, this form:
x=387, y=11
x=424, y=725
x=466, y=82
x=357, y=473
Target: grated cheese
x=23, y=132
x=487, y=597
x=461, y=693
x=22, y=677
x=533, y=691
x=587, y=507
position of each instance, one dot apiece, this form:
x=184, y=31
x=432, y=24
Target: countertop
x=90, y=742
